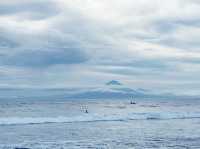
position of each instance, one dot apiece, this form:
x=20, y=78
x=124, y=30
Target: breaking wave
x=97, y=117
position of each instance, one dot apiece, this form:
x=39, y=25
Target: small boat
x=132, y=102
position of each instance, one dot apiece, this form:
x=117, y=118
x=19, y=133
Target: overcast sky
x=152, y=44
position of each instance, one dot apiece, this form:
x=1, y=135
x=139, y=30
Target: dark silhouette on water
x=132, y=102
x=84, y=109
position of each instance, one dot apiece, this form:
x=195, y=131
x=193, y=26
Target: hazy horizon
x=65, y=43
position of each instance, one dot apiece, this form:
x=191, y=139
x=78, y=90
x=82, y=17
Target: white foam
x=98, y=117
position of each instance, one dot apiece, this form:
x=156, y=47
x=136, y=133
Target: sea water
x=109, y=124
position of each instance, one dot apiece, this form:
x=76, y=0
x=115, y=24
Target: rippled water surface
x=108, y=124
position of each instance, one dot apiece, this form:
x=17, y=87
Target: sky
x=151, y=44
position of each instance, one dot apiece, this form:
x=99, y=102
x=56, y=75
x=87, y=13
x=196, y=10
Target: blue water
x=108, y=124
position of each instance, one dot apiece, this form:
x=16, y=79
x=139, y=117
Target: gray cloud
x=30, y=9
x=130, y=40
x=7, y=43
x=41, y=58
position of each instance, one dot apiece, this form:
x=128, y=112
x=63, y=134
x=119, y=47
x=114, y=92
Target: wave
x=97, y=117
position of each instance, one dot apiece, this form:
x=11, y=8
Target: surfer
x=86, y=111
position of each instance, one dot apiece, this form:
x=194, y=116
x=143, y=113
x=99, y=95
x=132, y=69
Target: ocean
x=107, y=124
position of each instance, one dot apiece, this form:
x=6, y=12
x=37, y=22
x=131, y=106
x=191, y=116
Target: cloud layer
x=63, y=43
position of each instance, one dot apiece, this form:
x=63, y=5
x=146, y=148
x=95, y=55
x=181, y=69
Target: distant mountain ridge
x=113, y=82
x=111, y=89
